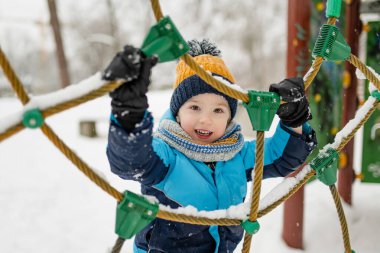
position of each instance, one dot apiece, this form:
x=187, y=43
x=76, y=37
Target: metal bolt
x=149, y=212
x=130, y=204
x=32, y=122
x=274, y=100
x=168, y=26
x=258, y=98
x=180, y=46
x=327, y=50
x=333, y=33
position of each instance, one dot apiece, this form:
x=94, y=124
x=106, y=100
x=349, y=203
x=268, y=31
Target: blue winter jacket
x=176, y=181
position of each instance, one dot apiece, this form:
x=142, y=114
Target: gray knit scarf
x=221, y=150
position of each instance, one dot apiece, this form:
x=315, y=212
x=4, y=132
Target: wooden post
x=88, y=128
x=346, y=174
x=62, y=63
x=297, y=65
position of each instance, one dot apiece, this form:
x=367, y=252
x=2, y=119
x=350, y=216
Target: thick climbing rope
x=59, y=107
x=13, y=79
x=21, y=93
x=195, y=220
x=342, y=218
x=82, y=166
x=17, y=86
x=365, y=70
x=351, y=135
x=83, y=99
x=118, y=245
x=256, y=187
x=11, y=131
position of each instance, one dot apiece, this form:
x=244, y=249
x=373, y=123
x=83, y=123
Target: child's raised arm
x=129, y=150
x=129, y=101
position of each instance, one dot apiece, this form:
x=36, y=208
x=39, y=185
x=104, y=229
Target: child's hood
x=167, y=115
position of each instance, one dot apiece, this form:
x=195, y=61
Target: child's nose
x=205, y=118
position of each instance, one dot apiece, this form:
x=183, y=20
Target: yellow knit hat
x=208, y=62
x=188, y=84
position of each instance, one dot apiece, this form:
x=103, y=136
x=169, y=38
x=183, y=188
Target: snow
x=228, y=84
x=306, y=76
x=350, y=126
x=284, y=187
x=360, y=75
x=47, y=205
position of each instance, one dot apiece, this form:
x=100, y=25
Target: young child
x=198, y=156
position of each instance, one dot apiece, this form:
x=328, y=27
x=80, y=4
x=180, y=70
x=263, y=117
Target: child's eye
x=195, y=107
x=219, y=110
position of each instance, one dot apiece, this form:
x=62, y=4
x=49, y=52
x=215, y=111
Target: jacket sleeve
x=283, y=152
x=131, y=155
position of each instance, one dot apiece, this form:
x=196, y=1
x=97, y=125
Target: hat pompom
x=204, y=46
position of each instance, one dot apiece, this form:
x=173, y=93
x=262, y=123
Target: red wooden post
x=350, y=102
x=297, y=65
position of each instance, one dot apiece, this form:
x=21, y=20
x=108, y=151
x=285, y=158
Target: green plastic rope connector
x=376, y=94
x=251, y=227
x=261, y=108
x=326, y=166
x=331, y=44
x=133, y=213
x=333, y=8
x=164, y=41
x=33, y=118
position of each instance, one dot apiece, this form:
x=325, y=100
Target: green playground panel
x=371, y=134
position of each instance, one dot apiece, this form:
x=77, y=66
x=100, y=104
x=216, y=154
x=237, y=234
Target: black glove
x=296, y=111
x=129, y=101
x=125, y=65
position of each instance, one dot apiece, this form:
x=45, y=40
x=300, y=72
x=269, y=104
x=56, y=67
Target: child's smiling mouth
x=203, y=134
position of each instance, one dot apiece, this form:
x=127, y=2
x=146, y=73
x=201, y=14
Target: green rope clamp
x=376, y=94
x=251, y=227
x=164, y=41
x=333, y=8
x=261, y=108
x=133, y=213
x=32, y=118
x=326, y=166
x=331, y=44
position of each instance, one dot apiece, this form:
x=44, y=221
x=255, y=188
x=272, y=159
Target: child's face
x=204, y=117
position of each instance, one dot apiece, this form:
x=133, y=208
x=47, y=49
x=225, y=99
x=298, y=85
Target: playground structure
x=329, y=48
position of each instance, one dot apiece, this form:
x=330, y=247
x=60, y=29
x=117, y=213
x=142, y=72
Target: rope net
x=255, y=212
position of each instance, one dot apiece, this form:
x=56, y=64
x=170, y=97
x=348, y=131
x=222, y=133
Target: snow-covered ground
x=48, y=205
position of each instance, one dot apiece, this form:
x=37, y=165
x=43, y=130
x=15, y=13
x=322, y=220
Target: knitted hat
x=188, y=84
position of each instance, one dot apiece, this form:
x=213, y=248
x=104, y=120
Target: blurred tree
x=251, y=35
x=60, y=49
